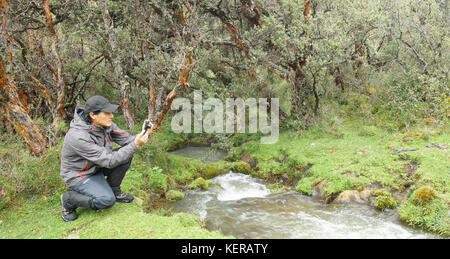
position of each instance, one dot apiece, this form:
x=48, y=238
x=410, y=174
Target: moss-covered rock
x=348, y=195
x=200, y=183
x=174, y=195
x=384, y=202
x=157, y=182
x=384, y=199
x=423, y=196
x=211, y=170
x=241, y=167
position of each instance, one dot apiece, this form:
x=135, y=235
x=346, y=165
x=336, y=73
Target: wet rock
x=348, y=195
x=364, y=195
x=317, y=188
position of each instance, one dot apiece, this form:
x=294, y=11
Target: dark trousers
x=100, y=190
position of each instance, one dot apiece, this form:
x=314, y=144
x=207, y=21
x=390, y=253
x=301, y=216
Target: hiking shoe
x=67, y=213
x=122, y=197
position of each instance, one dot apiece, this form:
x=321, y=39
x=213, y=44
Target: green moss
x=384, y=199
x=174, y=195
x=211, y=170
x=423, y=196
x=426, y=210
x=200, y=183
x=240, y=166
x=385, y=202
x=305, y=185
x=268, y=167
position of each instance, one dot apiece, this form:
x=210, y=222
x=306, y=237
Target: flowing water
x=241, y=205
x=204, y=154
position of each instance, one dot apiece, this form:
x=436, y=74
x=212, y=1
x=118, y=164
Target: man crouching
x=87, y=157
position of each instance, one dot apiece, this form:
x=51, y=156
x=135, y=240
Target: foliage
x=390, y=56
x=25, y=176
x=384, y=200
x=380, y=66
x=426, y=210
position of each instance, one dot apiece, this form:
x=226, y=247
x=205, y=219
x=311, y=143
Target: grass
x=353, y=156
x=348, y=156
x=40, y=218
x=29, y=196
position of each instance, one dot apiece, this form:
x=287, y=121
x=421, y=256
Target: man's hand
x=142, y=137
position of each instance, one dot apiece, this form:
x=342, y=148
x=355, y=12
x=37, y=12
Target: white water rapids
x=241, y=205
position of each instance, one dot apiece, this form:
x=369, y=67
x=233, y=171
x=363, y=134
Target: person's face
x=103, y=119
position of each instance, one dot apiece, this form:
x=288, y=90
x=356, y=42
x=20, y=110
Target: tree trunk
x=177, y=90
x=300, y=91
x=61, y=91
x=17, y=115
x=300, y=88
x=124, y=103
x=13, y=109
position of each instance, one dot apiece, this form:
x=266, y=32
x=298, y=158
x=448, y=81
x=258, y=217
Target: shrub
x=426, y=210
x=157, y=181
x=23, y=175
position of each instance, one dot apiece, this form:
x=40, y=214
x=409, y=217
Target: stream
x=240, y=205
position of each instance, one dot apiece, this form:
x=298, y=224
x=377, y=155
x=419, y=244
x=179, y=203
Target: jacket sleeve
x=119, y=136
x=98, y=155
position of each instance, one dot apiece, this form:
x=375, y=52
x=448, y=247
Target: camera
x=148, y=124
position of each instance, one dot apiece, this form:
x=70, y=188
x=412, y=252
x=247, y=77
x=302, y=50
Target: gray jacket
x=87, y=148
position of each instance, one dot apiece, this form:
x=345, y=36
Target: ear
x=91, y=114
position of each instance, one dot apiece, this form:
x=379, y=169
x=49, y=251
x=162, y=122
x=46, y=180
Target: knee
x=104, y=202
x=128, y=163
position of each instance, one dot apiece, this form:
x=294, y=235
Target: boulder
x=317, y=188
x=252, y=161
x=348, y=195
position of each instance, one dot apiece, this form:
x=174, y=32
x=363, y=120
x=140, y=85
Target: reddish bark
x=17, y=116
x=152, y=106
x=10, y=101
x=249, y=6
x=177, y=90
x=306, y=10
x=61, y=91
x=229, y=25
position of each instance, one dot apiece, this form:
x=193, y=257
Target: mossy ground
x=350, y=156
x=29, y=197
x=40, y=218
x=358, y=157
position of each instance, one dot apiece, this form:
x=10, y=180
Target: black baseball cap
x=99, y=103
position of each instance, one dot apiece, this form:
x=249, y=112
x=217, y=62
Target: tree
x=15, y=111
